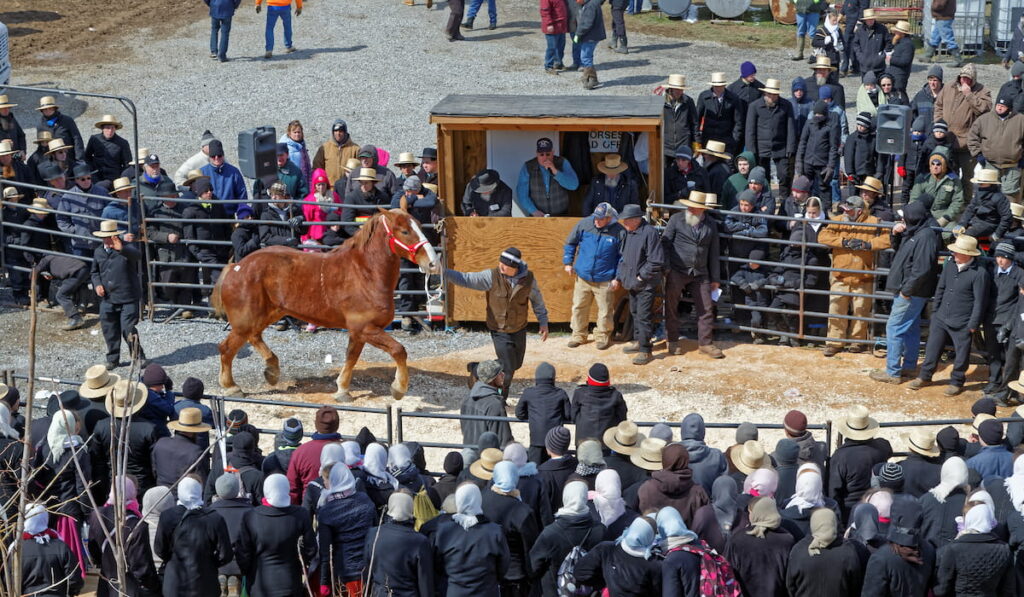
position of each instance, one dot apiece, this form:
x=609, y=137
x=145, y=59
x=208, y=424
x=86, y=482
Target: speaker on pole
x=893, y=130
x=256, y=152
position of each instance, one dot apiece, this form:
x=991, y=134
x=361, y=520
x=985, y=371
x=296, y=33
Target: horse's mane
x=362, y=237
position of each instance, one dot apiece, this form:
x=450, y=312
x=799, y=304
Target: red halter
x=392, y=241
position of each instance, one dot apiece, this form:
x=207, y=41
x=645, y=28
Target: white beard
x=821, y=81
x=692, y=220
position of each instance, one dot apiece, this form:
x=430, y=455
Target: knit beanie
x=801, y=183
x=820, y=107
x=935, y=71
x=1017, y=70
x=1005, y=98
x=326, y=420
x=154, y=375
x=1005, y=249
x=545, y=372
x=864, y=119
x=948, y=439
x=746, y=432
x=512, y=257
x=412, y=184
x=824, y=92
x=227, y=486
x=747, y=69
x=488, y=440
x=919, y=124
x=758, y=175
x=940, y=125
x=795, y=422
x=661, y=431
x=983, y=405
x=869, y=78
x=890, y=476
x=453, y=463
x=598, y=375
x=746, y=195
x=991, y=432
x=292, y=430
x=237, y=418
x=192, y=389
x=557, y=440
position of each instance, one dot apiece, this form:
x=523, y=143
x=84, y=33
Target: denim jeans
x=635, y=6
x=903, y=334
x=587, y=53
x=806, y=24
x=942, y=31
x=555, y=50
x=492, y=10
x=273, y=14
x=223, y=27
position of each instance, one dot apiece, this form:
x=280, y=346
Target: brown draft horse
x=348, y=287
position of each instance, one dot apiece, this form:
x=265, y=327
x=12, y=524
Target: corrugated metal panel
x=550, y=106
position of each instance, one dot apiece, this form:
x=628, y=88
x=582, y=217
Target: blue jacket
x=992, y=461
x=115, y=210
x=594, y=250
x=227, y=183
x=222, y=9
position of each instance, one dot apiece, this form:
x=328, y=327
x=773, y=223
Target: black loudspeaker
x=893, y=137
x=257, y=150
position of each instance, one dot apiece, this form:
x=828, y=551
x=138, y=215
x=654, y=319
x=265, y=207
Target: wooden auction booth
x=500, y=132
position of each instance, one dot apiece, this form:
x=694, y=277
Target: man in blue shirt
x=592, y=256
x=536, y=193
x=226, y=180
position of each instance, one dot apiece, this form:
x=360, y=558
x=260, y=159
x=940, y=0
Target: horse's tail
x=215, y=302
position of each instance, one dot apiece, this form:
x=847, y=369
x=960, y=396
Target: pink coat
x=312, y=212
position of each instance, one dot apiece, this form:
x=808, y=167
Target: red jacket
x=554, y=13
x=305, y=466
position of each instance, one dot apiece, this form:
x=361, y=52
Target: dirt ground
x=87, y=31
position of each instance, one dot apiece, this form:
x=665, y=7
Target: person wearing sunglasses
x=945, y=186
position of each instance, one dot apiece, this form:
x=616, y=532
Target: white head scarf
x=952, y=475
x=979, y=519
x=61, y=434
x=808, y=490
x=398, y=457
x=375, y=463
x=352, y=453
x=342, y=481
x=467, y=505
x=37, y=519
x=574, y=499
x=330, y=454
x=515, y=453
x=190, y=494
x=275, y=489
x=400, y=507
x=1015, y=485
x=607, y=496
x=154, y=502
x=5, y=422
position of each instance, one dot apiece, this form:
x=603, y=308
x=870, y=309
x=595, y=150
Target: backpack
x=423, y=509
x=566, y=578
x=716, y=575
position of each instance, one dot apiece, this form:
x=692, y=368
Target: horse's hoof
x=397, y=393
x=342, y=396
x=272, y=375
x=232, y=391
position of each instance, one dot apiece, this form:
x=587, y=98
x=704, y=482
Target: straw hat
x=433, y=188
x=5, y=102
x=922, y=441
x=43, y=137
x=902, y=27
x=772, y=86
x=406, y=157
x=750, y=456
x=711, y=201
x=47, y=101
x=98, y=382
x=1017, y=210
x=123, y=184
x=109, y=119
x=107, y=229
x=193, y=175
x=189, y=419
x=965, y=245
x=718, y=80
x=717, y=149
x=823, y=62
x=41, y=206
x=56, y=145
x=981, y=418
x=612, y=164
x=624, y=438
x=697, y=200
x=869, y=13
x=351, y=164
x=12, y=194
x=987, y=176
x=675, y=82
x=1018, y=384
x=126, y=398
x=141, y=155
x=858, y=424
x=484, y=467
x=7, y=147
x=649, y=455
x=367, y=174
x=871, y=184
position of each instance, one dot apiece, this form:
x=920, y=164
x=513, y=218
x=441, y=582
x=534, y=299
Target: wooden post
x=26, y=452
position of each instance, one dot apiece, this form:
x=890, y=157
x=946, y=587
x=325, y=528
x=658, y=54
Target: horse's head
x=406, y=240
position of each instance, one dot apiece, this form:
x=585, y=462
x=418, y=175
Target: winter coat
x=484, y=400
x=678, y=185
x=108, y=157
x=399, y=562
x=961, y=111
x=900, y=61
x=469, y=562
x=332, y=156
x=304, y=465
x=948, y=192
x=819, y=148
x=172, y=456
x=519, y=527
x=977, y=564
x=744, y=227
x=795, y=520
x=272, y=545
x=692, y=251
x=960, y=298
x=625, y=192
x=680, y=574
x=991, y=461
x=642, y=258
x=850, y=470
x=227, y=183
x=141, y=575
x=869, y=45
x=63, y=127
x=198, y=230
x=1012, y=88
x=720, y=120
x=142, y=437
x=297, y=153
x=595, y=409
x=193, y=545
x=554, y=14
x=342, y=523
x=760, y=564
x=281, y=233
x=938, y=519
x=498, y=204
x=556, y=541
x=607, y=565
x=67, y=486
x=552, y=475
x=888, y=574
x=629, y=473
x=545, y=406
x=997, y=139
x=233, y=511
x=914, y=271
x=116, y=272
x=706, y=525
x=593, y=252
x=49, y=569
x=838, y=571
x=680, y=124
x=859, y=156
x=11, y=129
x=590, y=22
x=813, y=89
x=673, y=488
x=771, y=132
x=920, y=474
x=836, y=231
x=245, y=239
x=222, y=9
x=923, y=104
